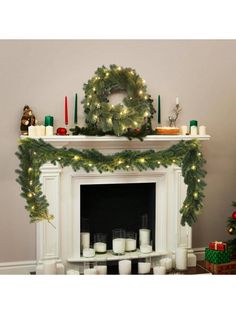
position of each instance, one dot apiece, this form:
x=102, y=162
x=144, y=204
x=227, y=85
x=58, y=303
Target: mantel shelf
x=151, y=139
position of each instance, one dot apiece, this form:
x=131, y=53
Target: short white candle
x=202, y=130
x=90, y=271
x=125, y=267
x=193, y=130
x=72, y=272
x=49, y=267
x=145, y=248
x=177, y=100
x=100, y=247
x=31, y=131
x=181, y=258
x=167, y=262
x=184, y=129
x=192, y=260
x=84, y=240
x=101, y=269
x=144, y=236
x=159, y=270
x=130, y=245
x=88, y=252
x=144, y=268
x=37, y=130
x=49, y=130
x=118, y=245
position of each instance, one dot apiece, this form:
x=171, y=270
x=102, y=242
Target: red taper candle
x=66, y=111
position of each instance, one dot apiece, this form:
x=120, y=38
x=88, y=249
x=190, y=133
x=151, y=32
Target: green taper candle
x=193, y=122
x=48, y=120
x=76, y=108
x=159, y=109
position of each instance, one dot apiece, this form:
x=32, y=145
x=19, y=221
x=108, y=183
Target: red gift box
x=217, y=246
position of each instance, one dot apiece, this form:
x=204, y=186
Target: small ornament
x=231, y=230
x=137, y=130
x=61, y=131
x=234, y=215
x=27, y=120
x=176, y=111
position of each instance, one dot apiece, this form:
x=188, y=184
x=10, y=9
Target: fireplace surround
x=62, y=188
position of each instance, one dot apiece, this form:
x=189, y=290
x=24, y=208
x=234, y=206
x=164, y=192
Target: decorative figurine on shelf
x=176, y=112
x=27, y=119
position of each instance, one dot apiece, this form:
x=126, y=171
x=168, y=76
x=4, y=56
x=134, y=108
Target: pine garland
x=231, y=226
x=34, y=153
x=135, y=111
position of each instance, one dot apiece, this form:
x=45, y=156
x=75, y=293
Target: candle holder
x=100, y=243
x=131, y=241
x=118, y=241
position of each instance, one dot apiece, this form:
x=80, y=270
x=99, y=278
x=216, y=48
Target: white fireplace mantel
x=62, y=186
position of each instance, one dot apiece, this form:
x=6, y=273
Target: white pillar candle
x=193, y=130
x=184, y=129
x=49, y=267
x=37, y=130
x=88, y=252
x=145, y=248
x=84, y=240
x=130, y=245
x=144, y=236
x=42, y=130
x=90, y=271
x=167, y=262
x=192, y=260
x=72, y=272
x=177, y=100
x=100, y=247
x=118, y=245
x=159, y=270
x=181, y=258
x=60, y=269
x=49, y=130
x=125, y=267
x=144, y=268
x=31, y=131
x=101, y=269
x=202, y=130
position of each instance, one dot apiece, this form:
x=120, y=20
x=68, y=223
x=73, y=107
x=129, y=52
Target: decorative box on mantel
x=63, y=189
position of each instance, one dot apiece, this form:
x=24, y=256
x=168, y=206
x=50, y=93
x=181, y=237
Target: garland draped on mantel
x=34, y=153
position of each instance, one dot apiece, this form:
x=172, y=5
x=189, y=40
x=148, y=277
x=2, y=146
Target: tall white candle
x=184, y=129
x=177, y=100
x=118, y=245
x=202, y=130
x=84, y=240
x=100, y=247
x=49, y=130
x=49, y=267
x=181, y=258
x=144, y=236
x=159, y=270
x=31, y=131
x=193, y=130
x=144, y=268
x=125, y=267
x=130, y=245
x=37, y=130
x=42, y=130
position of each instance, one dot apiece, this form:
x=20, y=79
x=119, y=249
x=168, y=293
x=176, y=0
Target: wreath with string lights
x=135, y=111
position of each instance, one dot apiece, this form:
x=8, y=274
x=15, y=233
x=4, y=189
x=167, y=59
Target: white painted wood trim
x=200, y=253
x=17, y=268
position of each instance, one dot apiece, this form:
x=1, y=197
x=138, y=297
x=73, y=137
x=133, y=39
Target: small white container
x=145, y=248
x=90, y=252
x=159, y=270
x=144, y=236
x=202, y=130
x=144, y=268
x=118, y=246
x=194, y=130
x=125, y=267
x=31, y=131
x=49, y=130
x=101, y=269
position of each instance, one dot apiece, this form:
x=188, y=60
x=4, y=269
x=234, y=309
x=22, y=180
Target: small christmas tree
x=231, y=224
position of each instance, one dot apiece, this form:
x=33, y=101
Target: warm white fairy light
x=119, y=68
x=142, y=160
x=107, y=74
x=127, y=166
x=34, y=153
x=90, y=164
x=143, y=81
x=199, y=154
x=59, y=158
x=88, y=104
x=145, y=114
x=131, y=98
x=31, y=183
x=98, y=106
x=95, y=117
x=140, y=92
x=135, y=123
x=94, y=89
x=145, y=97
x=198, y=180
x=193, y=167
x=120, y=162
x=112, y=106
x=109, y=120
x=195, y=194
x=131, y=72
x=76, y=157
x=30, y=195
x=159, y=162
x=30, y=169
x=174, y=160
x=33, y=207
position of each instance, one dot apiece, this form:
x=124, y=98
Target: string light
x=107, y=74
x=199, y=154
x=186, y=206
x=88, y=103
x=195, y=194
x=109, y=120
x=34, y=153
x=145, y=97
x=193, y=167
x=59, y=158
x=135, y=123
x=112, y=106
x=143, y=81
x=31, y=182
x=120, y=162
x=131, y=72
x=90, y=96
x=90, y=164
x=131, y=98
x=95, y=117
x=145, y=114
x=94, y=89
x=140, y=92
x=30, y=195
x=198, y=180
x=142, y=160
x=98, y=106
x=76, y=157
x=119, y=68
x=30, y=170
x=127, y=166
x=159, y=162
x=33, y=207
x=174, y=160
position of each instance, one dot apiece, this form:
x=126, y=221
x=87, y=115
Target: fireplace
x=113, y=197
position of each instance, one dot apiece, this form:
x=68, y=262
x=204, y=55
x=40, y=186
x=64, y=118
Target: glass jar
x=118, y=241
x=131, y=241
x=100, y=243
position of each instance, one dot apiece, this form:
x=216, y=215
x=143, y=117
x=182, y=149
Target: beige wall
x=40, y=73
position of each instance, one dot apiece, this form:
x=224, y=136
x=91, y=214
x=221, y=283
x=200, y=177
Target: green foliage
x=136, y=110
x=34, y=153
x=231, y=224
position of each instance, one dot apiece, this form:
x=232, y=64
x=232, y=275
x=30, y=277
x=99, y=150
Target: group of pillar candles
x=193, y=129
x=121, y=242
x=42, y=130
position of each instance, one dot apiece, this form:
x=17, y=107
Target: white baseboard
x=17, y=268
x=200, y=253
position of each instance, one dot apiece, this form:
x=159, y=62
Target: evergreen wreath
x=34, y=153
x=136, y=110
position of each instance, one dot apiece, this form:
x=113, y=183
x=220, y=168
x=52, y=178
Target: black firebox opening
x=110, y=206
